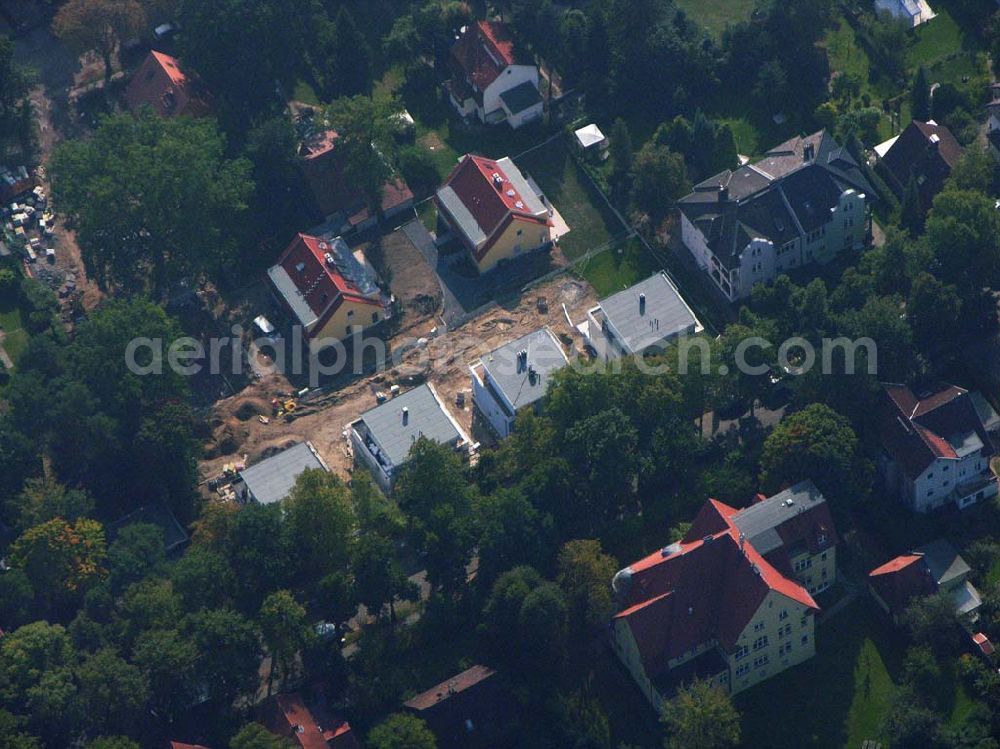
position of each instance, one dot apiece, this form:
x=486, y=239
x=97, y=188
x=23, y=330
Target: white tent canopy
x=590, y=135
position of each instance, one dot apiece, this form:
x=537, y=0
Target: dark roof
x=944, y=561
x=797, y=516
x=272, y=479
x=927, y=150
x=705, y=666
x=900, y=579
x=794, y=184
x=707, y=586
x=467, y=710
x=425, y=417
x=522, y=386
x=662, y=315
x=335, y=195
x=917, y=430
x=994, y=138
x=448, y=689
x=158, y=514
x=521, y=97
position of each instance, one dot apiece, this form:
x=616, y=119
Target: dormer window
x=821, y=538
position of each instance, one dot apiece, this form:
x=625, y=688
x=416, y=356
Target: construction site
x=272, y=413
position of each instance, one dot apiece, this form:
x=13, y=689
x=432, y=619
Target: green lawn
x=591, y=222
x=848, y=57
x=937, y=38
x=618, y=267
x=837, y=699
x=15, y=337
x=427, y=213
x=715, y=15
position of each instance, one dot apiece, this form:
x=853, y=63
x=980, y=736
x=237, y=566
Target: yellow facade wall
x=782, y=621
x=349, y=318
x=510, y=244
x=816, y=572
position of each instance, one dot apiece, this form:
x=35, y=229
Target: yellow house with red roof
x=493, y=211
x=331, y=294
x=731, y=602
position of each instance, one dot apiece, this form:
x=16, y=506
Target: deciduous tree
x=153, y=201
x=401, y=731
x=701, y=715
x=99, y=25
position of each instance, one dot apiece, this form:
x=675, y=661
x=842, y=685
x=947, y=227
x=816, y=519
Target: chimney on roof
x=808, y=152
x=642, y=304
x=406, y=415
x=497, y=181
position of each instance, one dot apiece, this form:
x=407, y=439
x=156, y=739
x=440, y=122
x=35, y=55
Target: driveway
x=463, y=291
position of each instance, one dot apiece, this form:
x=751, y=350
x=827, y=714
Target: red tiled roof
x=900, y=579
x=913, y=152
x=701, y=588
x=914, y=429
x=179, y=745
x=324, y=171
x=983, y=643
x=288, y=716
x=484, y=52
x=320, y=282
x=491, y=206
x=160, y=83
x=458, y=683
x=895, y=565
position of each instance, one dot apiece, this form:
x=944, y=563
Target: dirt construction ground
x=441, y=360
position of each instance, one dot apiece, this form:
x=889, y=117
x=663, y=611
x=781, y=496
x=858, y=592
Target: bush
x=8, y=283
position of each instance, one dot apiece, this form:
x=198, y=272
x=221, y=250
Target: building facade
x=494, y=212
x=491, y=79
x=805, y=202
x=514, y=377
x=935, y=448
x=331, y=294
x=729, y=603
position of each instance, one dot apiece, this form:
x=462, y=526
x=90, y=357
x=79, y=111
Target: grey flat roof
x=666, y=314
x=426, y=417
x=545, y=356
x=758, y=521
x=292, y=295
x=454, y=205
x=943, y=561
x=272, y=479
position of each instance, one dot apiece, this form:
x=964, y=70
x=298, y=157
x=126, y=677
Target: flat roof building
x=649, y=314
x=382, y=437
x=272, y=479
x=515, y=376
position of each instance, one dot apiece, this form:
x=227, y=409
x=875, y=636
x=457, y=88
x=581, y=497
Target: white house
x=383, y=436
x=642, y=317
x=804, y=202
x=490, y=79
x=913, y=12
x=515, y=376
x=935, y=448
